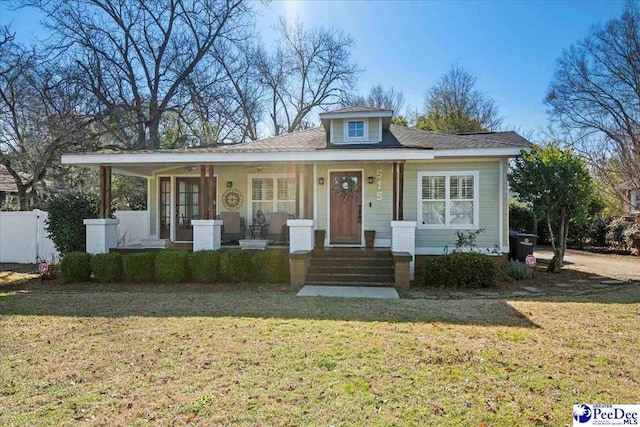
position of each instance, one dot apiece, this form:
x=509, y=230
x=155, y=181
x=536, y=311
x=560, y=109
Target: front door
x=345, y=209
x=187, y=198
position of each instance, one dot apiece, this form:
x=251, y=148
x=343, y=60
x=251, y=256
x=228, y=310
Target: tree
x=40, y=104
x=379, y=97
x=454, y=105
x=594, y=98
x=309, y=69
x=137, y=58
x=558, y=185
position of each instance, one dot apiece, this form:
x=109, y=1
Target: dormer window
x=356, y=130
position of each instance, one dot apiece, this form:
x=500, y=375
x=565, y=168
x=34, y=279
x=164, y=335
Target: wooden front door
x=187, y=199
x=345, y=209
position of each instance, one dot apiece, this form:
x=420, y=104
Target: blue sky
x=511, y=47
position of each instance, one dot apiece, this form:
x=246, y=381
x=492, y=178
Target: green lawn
x=266, y=358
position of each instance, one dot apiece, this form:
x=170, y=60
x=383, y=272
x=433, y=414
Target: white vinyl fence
x=23, y=236
x=133, y=227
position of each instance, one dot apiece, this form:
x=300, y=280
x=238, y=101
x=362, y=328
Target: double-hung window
x=448, y=199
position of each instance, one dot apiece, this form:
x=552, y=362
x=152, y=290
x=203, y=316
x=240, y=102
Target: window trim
x=365, y=127
x=274, y=176
x=447, y=203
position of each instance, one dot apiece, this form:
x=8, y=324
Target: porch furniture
x=233, y=227
x=257, y=230
x=278, y=229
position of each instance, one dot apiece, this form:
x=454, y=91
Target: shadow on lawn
x=253, y=304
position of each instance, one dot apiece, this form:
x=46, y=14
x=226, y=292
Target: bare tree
x=455, y=105
x=136, y=56
x=594, y=98
x=379, y=97
x=309, y=69
x=39, y=116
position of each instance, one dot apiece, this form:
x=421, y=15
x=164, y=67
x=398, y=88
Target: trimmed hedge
x=171, y=267
x=236, y=266
x=271, y=266
x=140, y=267
x=460, y=270
x=107, y=268
x=76, y=267
x=204, y=266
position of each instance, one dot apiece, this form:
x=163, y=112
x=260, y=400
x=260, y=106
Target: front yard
x=259, y=356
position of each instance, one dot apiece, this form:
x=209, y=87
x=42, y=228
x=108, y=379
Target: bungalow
x=355, y=173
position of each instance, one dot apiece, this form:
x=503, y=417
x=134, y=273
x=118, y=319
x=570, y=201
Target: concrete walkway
x=348, y=292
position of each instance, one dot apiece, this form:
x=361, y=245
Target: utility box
x=521, y=245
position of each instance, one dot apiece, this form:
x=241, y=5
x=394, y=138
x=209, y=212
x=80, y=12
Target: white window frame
x=365, y=127
x=275, y=200
x=447, y=203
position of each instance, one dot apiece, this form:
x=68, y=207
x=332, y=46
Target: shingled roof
x=7, y=183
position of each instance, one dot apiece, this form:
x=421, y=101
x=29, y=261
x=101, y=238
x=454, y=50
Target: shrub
x=140, y=267
x=460, y=270
x=517, y=270
x=171, y=267
x=616, y=233
x=521, y=218
x=205, y=266
x=236, y=266
x=65, y=222
x=271, y=266
x=107, y=268
x=76, y=267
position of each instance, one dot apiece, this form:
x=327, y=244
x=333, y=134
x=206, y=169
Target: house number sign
x=379, y=178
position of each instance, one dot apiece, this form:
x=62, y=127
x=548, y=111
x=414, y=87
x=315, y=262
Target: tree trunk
x=554, y=265
x=22, y=198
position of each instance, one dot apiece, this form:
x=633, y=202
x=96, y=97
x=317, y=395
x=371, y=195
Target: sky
x=510, y=46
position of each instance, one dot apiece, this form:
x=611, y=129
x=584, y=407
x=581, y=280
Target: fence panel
x=133, y=227
x=23, y=237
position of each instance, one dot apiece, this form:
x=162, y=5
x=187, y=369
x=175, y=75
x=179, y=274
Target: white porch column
x=102, y=234
x=300, y=235
x=207, y=234
x=403, y=239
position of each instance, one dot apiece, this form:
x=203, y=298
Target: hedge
x=171, y=267
x=76, y=267
x=460, y=270
x=140, y=267
x=271, y=266
x=236, y=266
x=107, y=268
x=204, y=266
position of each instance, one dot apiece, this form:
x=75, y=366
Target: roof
x=398, y=137
x=358, y=109
x=7, y=183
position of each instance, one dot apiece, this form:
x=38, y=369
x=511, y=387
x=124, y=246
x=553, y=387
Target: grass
x=244, y=356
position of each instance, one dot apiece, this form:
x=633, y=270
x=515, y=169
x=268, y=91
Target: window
x=448, y=199
x=355, y=130
x=272, y=194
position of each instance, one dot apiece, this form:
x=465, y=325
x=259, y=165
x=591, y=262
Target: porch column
x=101, y=234
x=308, y=191
x=401, y=192
x=403, y=239
x=297, y=184
x=104, y=210
x=211, y=202
x=207, y=234
x=300, y=235
x=394, y=174
x=202, y=194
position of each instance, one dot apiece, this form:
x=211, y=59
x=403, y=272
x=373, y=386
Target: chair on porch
x=278, y=229
x=233, y=226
